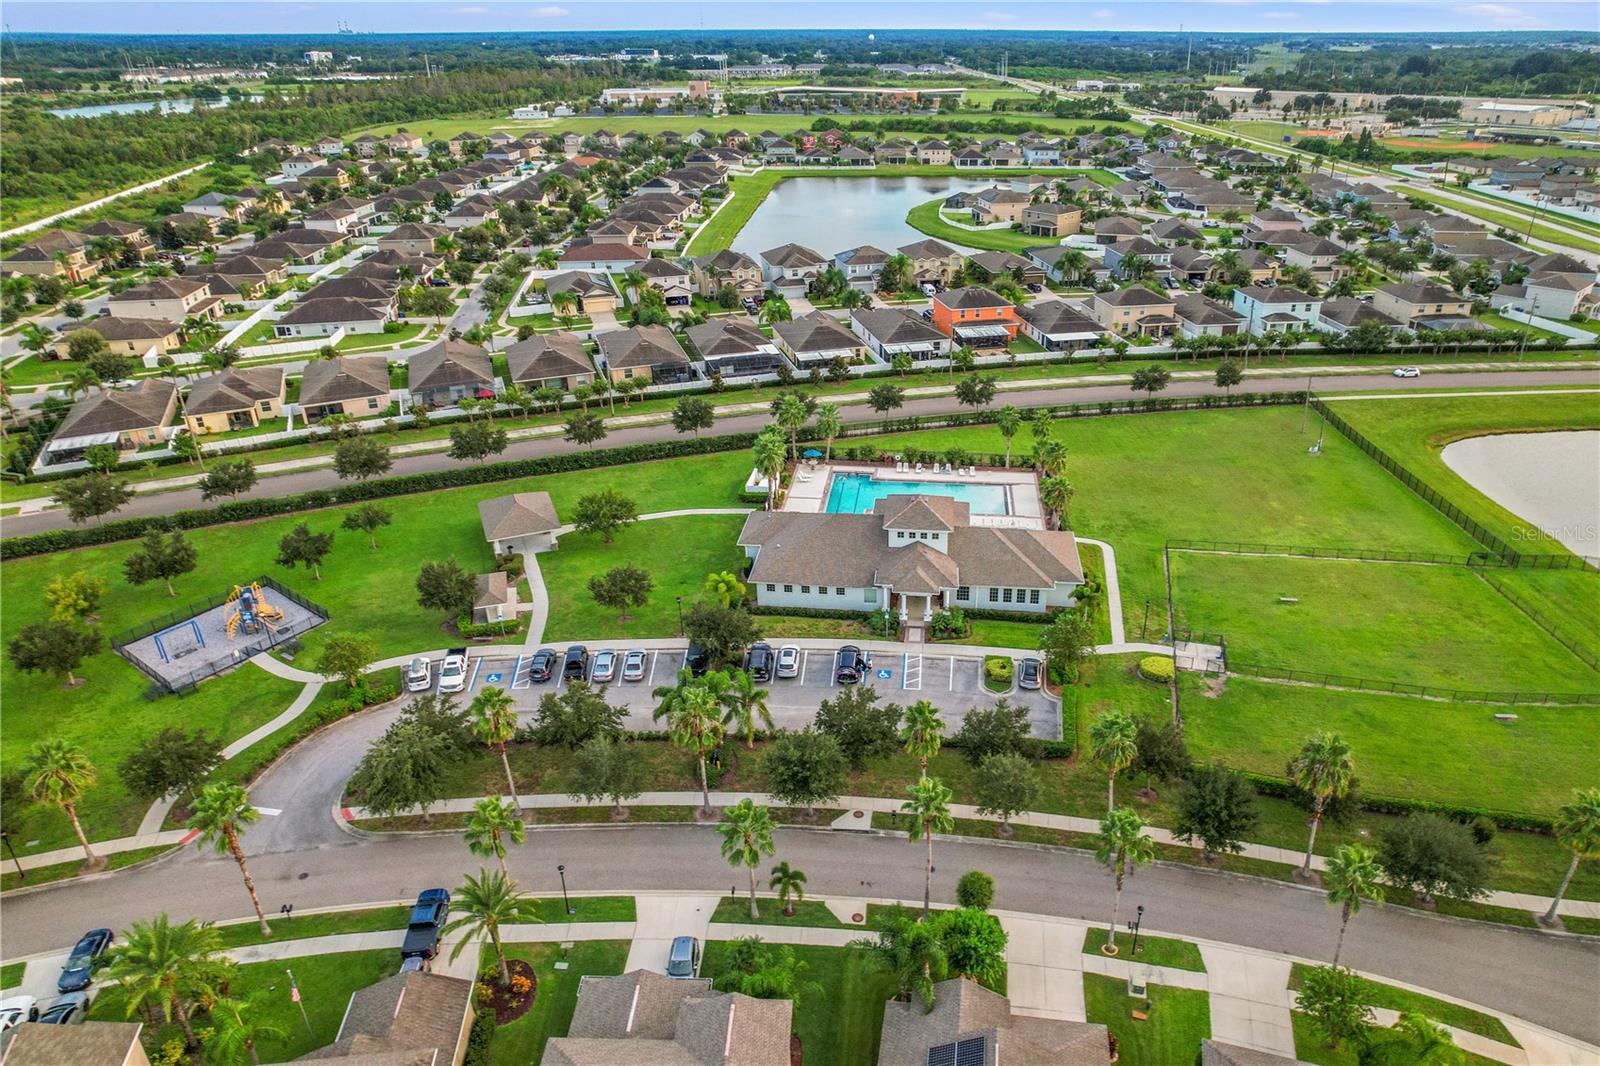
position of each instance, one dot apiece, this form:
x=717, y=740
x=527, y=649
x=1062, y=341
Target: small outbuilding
x=521, y=522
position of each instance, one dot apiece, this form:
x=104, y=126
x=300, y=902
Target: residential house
x=970, y=1024
x=449, y=371
x=1115, y=228
x=324, y=317
x=894, y=152
x=1216, y=1053
x=1346, y=312
x=931, y=261
x=365, y=146
x=1199, y=317
x=90, y=1044
x=643, y=1017
x=358, y=387
x=733, y=347
x=608, y=256
x=1272, y=309
x=1174, y=231
x=1120, y=255
x=862, y=265
x=1212, y=198
x=237, y=398
x=1057, y=261
x=131, y=234
x=779, y=152
x=727, y=267
x=1553, y=294
x=1020, y=267
x=1413, y=303
x=220, y=205
x=549, y=360
x=592, y=290
x=145, y=339
x=329, y=146
x=346, y=215
x=1136, y=311
x=998, y=204
x=818, y=339
x=668, y=277
x=648, y=352
x=249, y=270
x=975, y=317
x=404, y=143
x=1193, y=265
x=1004, y=154
x=894, y=331
x=791, y=267
x=1053, y=218
x=1033, y=184
x=126, y=418
x=1059, y=326
x=473, y=211
x=1270, y=222
x=969, y=158
x=1320, y=256
x=911, y=554
x=1041, y=154
x=933, y=153
x=396, y=267
x=410, y=1018
x=295, y=166
x=412, y=238
x=56, y=254
x=383, y=295
x=174, y=299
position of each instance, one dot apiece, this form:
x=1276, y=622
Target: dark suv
x=428, y=916
x=758, y=660
x=696, y=660
x=543, y=665
x=575, y=667
x=78, y=972
x=850, y=666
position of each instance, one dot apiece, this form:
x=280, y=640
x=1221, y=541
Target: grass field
x=1567, y=600
x=1443, y=1011
x=926, y=218
x=522, y=1041
x=1422, y=624
x=1152, y=950
x=1179, y=1018
x=369, y=920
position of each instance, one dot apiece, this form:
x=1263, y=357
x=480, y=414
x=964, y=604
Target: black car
x=696, y=660
x=428, y=916
x=575, y=667
x=850, y=666
x=79, y=970
x=759, y=660
x=543, y=665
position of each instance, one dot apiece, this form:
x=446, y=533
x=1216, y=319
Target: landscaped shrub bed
x=1157, y=668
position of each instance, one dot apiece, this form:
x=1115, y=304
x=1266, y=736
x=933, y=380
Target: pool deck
x=808, y=492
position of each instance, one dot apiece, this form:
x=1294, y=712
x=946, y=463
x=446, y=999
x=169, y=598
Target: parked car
x=851, y=665
x=1407, y=372
x=453, y=671
x=683, y=958
x=927, y=314
x=419, y=674
x=633, y=665
x=70, y=1009
x=79, y=970
x=543, y=665
x=416, y=964
x=696, y=660
x=16, y=1010
x=758, y=661
x=1034, y=286
x=788, y=661
x=605, y=666
x=428, y=916
x=1028, y=673
x=575, y=666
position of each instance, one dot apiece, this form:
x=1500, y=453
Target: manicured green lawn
x=370, y=920
x=41, y=875
x=1421, y=624
x=1153, y=950
x=522, y=1041
x=1387, y=1049
x=996, y=633
x=808, y=912
x=926, y=219
x=677, y=552
x=1442, y=1011
x=841, y=1025
x=11, y=974
x=1179, y=1018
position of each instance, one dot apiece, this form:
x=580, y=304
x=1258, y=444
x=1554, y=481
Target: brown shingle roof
x=142, y=405
x=450, y=362
x=922, y=512
x=160, y=289
x=234, y=390
x=89, y=1044
x=117, y=328
x=815, y=332
x=343, y=378
x=517, y=515
x=406, y=1013
x=641, y=346
x=547, y=355
x=333, y=309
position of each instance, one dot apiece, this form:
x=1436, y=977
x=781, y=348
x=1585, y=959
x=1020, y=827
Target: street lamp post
x=1133, y=927
x=5, y=838
x=680, y=616
x=561, y=868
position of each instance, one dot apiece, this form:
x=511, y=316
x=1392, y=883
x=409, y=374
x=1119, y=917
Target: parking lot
x=953, y=683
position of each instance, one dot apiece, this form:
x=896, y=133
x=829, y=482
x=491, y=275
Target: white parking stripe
x=271, y=811
x=952, y=673
x=651, y=680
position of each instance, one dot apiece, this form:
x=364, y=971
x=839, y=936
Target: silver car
x=788, y=661
x=633, y=665
x=605, y=666
x=70, y=1009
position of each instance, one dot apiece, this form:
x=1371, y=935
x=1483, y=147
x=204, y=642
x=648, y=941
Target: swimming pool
x=856, y=493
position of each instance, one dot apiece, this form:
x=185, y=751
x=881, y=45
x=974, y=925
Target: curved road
x=301, y=856
x=324, y=477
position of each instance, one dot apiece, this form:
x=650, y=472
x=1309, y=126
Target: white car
x=16, y=1010
x=788, y=661
x=453, y=671
x=605, y=666
x=1407, y=372
x=633, y=665
x=419, y=674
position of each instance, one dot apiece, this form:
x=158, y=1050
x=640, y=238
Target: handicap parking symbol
x=493, y=679
x=884, y=673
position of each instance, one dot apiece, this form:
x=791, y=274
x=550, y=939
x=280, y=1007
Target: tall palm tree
x=221, y=812
x=744, y=703
x=1353, y=877
x=81, y=379
x=1112, y=738
x=169, y=969
x=921, y=730
x=1323, y=767
x=1056, y=493
x=494, y=721
x=1008, y=421
x=792, y=415
x=1577, y=828
x=746, y=836
x=1049, y=454
x=484, y=905
x=237, y=1025
x=769, y=451
x=58, y=772
x=829, y=426
x=929, y=808
x=694, y=724
x=790, y=885
x=490, y=824
x=35, y=338
x=1124, y=844
x=912, y=951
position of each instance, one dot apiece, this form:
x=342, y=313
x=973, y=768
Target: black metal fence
x=1539, y=619
x=1313, y=551
x=1271, y=671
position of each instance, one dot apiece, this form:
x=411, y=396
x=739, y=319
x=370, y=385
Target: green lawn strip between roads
x=1153, y=950
x=1178, y=1019
x=305, y=926
x=808, y=912
x=62, y=871
x=1442, y=1011
x=522, y=1041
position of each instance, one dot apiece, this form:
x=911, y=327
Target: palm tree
x=491, y=822
x=912, y=951
x=168, y=969
x=1049, y=454
x=1429, y=1042
x=494, y=721
x=1324, y=768
x=1353, y=877
x=219, y=814
x=58, y=772
x=693, y=723
x=929, y=808
x=35, y=338
x=1122, y=843
x=546, y=259
x=790, y=885
x=237, y=1025
x=747, y=835
x=921, y=730
x=745, y=703
x=1008, y=421
x=1112, y=739
x=829, y=426
x=484, y=904
x=1056, y=493
x=792, y=415
x=769, y=454
x=81, y=379
x=1577, y=828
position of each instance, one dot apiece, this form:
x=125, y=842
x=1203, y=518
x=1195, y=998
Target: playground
x=248, y=619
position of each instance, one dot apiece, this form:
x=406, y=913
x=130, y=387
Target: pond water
x=179, y=106
x=1550, y=479
x=829, y=215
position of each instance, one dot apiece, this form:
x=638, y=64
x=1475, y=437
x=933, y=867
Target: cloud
x=999, y=16
x=551, y=12
x=1502, y=13
x=1104, y=13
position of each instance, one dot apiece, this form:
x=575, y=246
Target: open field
x=1421, y=624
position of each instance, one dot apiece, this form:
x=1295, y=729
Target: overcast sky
x=400, y=16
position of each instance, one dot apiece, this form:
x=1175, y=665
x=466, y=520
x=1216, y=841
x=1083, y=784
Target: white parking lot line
x=952, y=673
x=651, y=680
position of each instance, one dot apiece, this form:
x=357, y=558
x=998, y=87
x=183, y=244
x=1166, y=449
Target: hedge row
x=1283, y=789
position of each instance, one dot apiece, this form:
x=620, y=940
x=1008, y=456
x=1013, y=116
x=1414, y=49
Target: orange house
x=981, y=318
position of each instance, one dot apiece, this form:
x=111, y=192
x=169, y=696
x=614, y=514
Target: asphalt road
x=324, y=477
